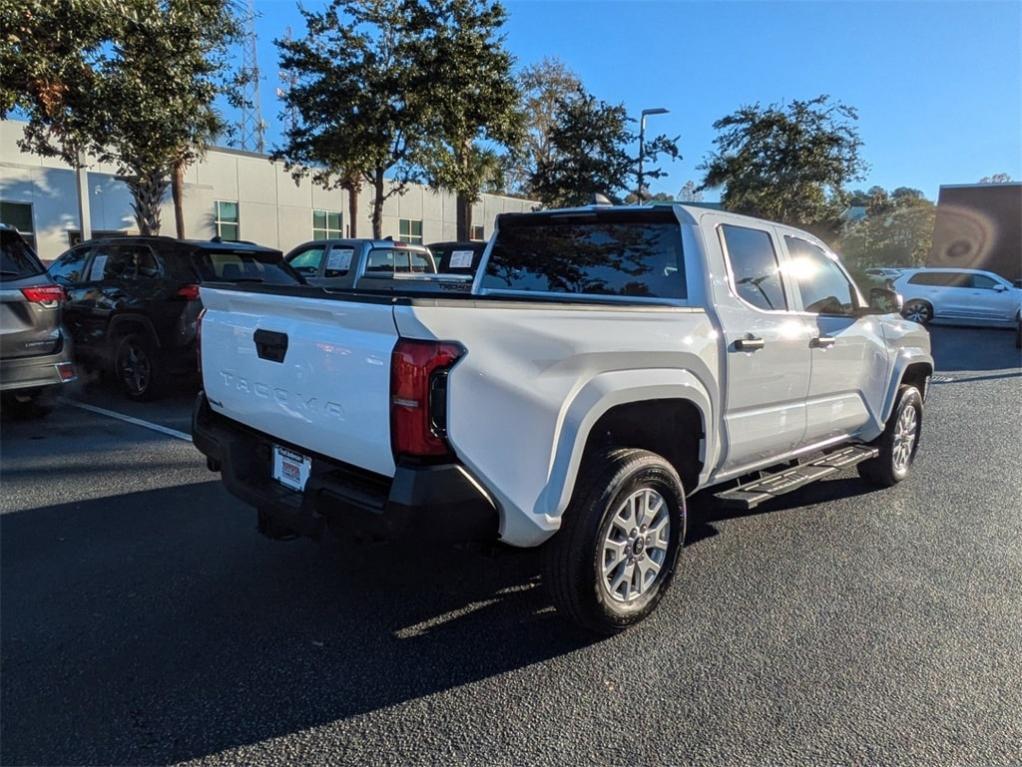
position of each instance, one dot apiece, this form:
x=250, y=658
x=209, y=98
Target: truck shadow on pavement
x=159, y=626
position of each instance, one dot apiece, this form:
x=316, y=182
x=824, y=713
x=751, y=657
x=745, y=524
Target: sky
x=938, y=85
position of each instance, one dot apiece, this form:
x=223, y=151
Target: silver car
x=35, y=352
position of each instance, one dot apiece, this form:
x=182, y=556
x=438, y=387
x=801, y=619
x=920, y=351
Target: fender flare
x=599, y=395
x=907, y=356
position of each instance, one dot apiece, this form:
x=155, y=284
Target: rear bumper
x=36, y=372
x=426, y=502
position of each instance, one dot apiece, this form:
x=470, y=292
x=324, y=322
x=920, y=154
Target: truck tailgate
x=313, y=372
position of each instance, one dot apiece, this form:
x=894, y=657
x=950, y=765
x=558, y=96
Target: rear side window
x=593, y=254
x=338, y=263
x=754, y=267
x=17, y=259
x=941, y=279
x=244, y=266
x=69, y=269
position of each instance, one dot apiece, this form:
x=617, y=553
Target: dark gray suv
x=35, y=353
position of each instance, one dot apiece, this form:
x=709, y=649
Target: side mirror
x=1000, y=288
x=885, y=301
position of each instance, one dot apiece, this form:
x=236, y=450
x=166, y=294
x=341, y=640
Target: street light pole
x=642, y=142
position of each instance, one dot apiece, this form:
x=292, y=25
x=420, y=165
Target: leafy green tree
x=543, y=86
x=897, y=231
x=168, y=68
x=690, y=193
x=50, y=55
x=590, y=143
x=997, y=178
x=787, y=162
x=472, y=96
x=132, y=83
x=360, y=92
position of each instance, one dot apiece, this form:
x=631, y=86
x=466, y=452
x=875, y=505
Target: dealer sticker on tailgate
x=291, y=469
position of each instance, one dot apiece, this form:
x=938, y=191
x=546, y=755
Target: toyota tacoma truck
x=607, y=363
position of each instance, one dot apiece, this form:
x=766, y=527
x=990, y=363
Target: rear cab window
x=16, y=258
x=633, y=254
x=383, y=262
x=244, y=265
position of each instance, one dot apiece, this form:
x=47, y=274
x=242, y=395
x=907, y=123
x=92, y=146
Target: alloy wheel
x=635, y=544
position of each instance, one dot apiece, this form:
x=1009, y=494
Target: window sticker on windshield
x=461, y=258
x=98, y=267
x=339, y=260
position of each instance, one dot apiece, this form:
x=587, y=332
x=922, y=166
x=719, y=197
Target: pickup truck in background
x=374, y=265
x=608, y=363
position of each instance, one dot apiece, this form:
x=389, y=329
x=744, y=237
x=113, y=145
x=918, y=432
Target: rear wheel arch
x=673, y=428
x=124, y=324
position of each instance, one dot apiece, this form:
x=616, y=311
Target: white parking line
x=129, y=419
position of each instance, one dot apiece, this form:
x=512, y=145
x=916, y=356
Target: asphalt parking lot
x=143, y=620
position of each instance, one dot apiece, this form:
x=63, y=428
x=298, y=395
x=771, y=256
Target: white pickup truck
x=608, y=362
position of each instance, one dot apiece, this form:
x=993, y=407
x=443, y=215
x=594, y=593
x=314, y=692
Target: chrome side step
x=752, y=494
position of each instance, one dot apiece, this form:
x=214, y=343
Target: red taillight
x=418, y=389
x=50, y=295
x=198, y=339
x=189, y=292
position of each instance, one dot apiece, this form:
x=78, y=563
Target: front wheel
x=899, y=442
x=137, y=368
x=616, y=552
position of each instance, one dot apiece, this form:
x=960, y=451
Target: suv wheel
x=899, y=442
x=136, y=367
x=615, y=554
x=918, y=311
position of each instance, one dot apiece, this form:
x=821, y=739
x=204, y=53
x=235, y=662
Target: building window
x=227, y=225
x=410, y=231
x=478, y=233
x=326, y=225
x=18, y=215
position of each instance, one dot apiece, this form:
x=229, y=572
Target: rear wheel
x=899, y=442
x=616, y=552
x=1018, y=333
x=917, y=311
x=137, y=367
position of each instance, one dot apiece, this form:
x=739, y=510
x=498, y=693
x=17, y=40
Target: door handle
x=823, y=342
x=749, y=344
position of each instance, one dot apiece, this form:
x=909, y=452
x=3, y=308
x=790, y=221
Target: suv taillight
x=189, y=292
x=198, y=339
x=47, y=295
x=418, y=397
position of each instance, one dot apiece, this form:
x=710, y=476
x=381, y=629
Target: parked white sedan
x=962, y=296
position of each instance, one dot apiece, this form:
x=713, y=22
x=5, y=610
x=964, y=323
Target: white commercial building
x=238, y=195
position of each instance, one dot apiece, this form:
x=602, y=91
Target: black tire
x=887, y=469
x=137, y=367
x=32, y=403
x=1018, y=334
x=574, y=558
x=918, y=311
